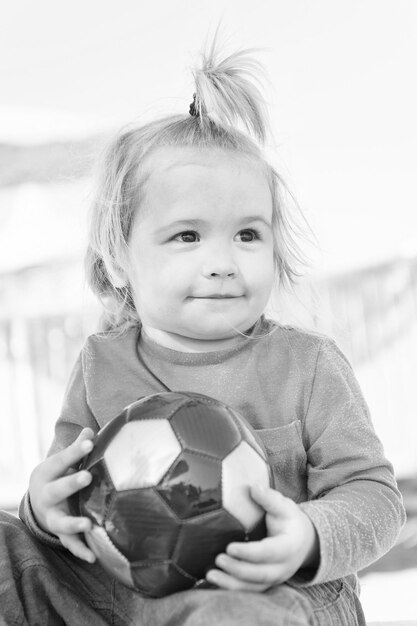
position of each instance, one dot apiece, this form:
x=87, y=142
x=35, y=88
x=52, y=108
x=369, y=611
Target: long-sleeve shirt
x=298, y=392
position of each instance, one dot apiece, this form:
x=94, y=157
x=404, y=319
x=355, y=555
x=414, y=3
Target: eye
x=188, y=236
x=249, y=234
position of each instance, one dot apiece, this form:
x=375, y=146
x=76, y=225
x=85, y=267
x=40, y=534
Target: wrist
x=312, y=545
x=27, y=515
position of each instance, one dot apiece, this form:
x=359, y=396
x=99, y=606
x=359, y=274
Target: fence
x=45, y=315
x=372, y=314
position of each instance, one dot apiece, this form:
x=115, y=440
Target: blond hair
x=228, y=113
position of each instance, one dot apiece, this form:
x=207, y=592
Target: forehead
x=184, y=176
x=166, y=157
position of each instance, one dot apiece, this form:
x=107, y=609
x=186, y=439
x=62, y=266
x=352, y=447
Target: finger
x=226, y=581
x=74, y=544
x=62, y=488
x=272, y=501
x=268, y=550
x=260, y=573
x=58, y=464
x=59, y=522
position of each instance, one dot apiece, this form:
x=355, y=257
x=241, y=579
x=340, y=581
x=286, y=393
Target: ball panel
x=159, y=579
x=94, y=500
x=242, y=468
x=159, y=405
x=202, y=539
x=108, y=555
x=103, y=438
x=193, y=485
x=206, y=428
x=141, y=525
x=141, y=453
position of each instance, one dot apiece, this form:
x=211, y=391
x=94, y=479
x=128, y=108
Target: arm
x=75, y=417
x=354, y=503
x=354, y=512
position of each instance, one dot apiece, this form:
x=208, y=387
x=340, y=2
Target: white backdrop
x=343, y=94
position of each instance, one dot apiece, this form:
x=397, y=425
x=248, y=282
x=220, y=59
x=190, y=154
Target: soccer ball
x=170, y=490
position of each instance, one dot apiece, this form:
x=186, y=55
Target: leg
x=283, y=607
x=39, y=585
x=335, y=603
x=330, y=604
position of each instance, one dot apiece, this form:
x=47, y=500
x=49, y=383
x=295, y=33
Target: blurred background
x=342, y=99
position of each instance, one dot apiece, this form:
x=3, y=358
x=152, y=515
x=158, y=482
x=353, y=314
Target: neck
x=189, y=344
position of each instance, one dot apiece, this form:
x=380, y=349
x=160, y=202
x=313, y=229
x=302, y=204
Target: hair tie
x=193, y=109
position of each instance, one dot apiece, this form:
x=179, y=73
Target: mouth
x=217, y=296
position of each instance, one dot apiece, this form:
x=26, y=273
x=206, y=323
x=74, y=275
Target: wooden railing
x=35, y=359
x=45, y=315
x=372, y=313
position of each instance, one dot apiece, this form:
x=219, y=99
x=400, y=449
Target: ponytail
x=226, y=91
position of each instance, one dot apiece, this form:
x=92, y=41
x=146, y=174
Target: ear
x=118, y=276
x=119, y=279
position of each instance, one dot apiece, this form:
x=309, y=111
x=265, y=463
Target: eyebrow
x=199, y=222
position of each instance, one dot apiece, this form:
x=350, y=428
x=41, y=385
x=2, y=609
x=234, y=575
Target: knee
x=16, y=540
x=226, y=608
x=10, y=525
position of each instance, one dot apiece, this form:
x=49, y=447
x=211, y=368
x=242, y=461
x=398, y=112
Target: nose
x=220, y=264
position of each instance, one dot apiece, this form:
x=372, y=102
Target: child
x=188, y=236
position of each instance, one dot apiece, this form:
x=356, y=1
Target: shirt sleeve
x=75, y=415
x=353, y=500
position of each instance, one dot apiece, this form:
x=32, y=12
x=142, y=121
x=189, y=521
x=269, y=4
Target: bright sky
x=343, y=93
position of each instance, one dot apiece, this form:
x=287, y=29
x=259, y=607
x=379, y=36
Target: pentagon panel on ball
x=170, y=490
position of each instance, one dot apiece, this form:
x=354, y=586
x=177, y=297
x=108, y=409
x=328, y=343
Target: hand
x=51, y=483
x=291, y=543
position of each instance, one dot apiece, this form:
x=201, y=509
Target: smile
x=217, y=297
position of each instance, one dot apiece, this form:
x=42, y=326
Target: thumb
x=86, y=433
x=272, y=501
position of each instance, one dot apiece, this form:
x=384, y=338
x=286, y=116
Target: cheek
x=160, y=279
x=260, y=269
x=143, y=278
x=176, y=272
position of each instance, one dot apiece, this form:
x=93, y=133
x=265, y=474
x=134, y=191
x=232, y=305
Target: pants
x=47, y=587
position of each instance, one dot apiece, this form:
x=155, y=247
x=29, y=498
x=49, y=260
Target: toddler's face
x=201, y=248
